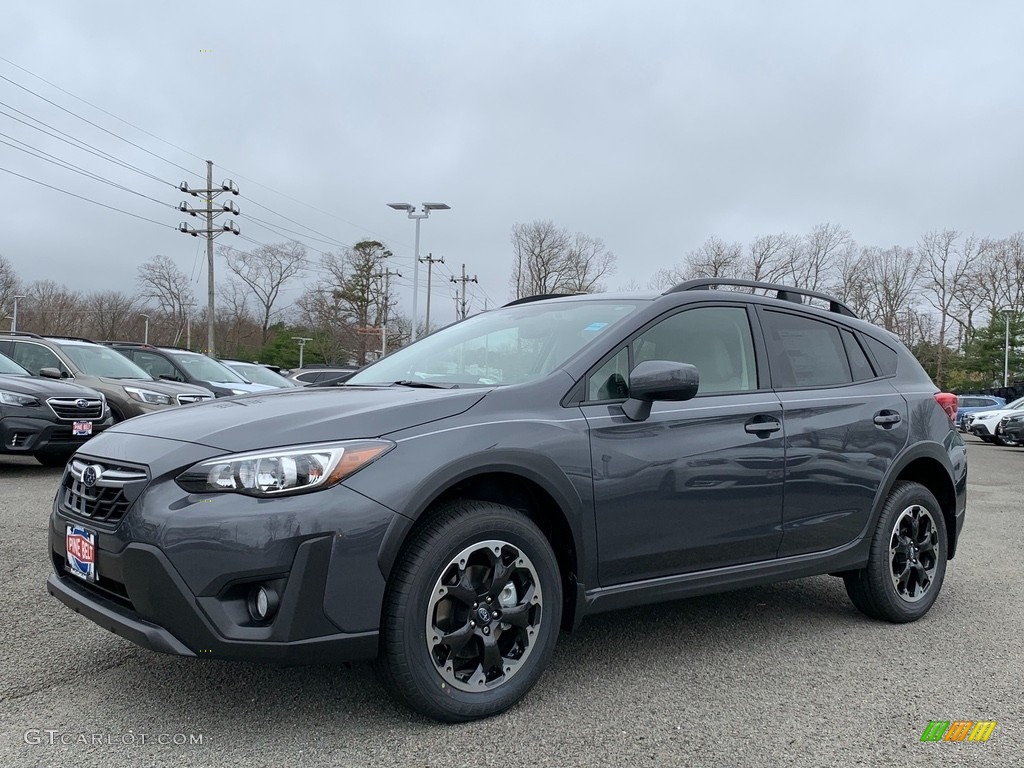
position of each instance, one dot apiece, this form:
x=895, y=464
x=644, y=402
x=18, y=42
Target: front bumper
x=980, y=429
x=1012, y=431
x=29, y=435
x=175, y=573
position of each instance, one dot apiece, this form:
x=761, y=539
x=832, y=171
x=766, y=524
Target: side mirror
x=50, y=373
x=654, y=380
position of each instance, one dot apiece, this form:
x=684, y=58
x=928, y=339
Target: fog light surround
x=262, y=603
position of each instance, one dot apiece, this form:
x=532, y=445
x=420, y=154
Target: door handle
x=887, y=419
x=762, y=425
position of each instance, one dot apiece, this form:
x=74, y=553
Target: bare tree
x=812, y=258
x=161, y=280
x=768, y=257
x=8, y=286
x=51, y=308
x=893, y=280
x=235, y=313
x=266, y=270
x=362, y=292
x=946, y=267
x=547, y=259
x=715, y=258
x=110, y=314
x=666, y=278
x=586, y=262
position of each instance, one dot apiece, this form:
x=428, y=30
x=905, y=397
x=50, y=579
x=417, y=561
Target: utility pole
x=210, y=232
x=302, y=343
x=386, y=275
x=462, y=304
x=430, y=261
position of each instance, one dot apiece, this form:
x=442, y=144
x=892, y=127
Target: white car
x=983, y=423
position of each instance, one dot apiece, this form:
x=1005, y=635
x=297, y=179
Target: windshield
x=10, y=368
x=207, y=369
x=261, y=375
x=94, y=360
x=502, y=347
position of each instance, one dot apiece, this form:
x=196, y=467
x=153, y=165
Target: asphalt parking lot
x=783, y=675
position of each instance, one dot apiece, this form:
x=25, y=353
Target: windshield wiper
x=423, y=384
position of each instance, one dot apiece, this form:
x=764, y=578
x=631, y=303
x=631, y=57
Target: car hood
x=301, y=415
x=31, y=385
x=162, y=386
x=250, y=387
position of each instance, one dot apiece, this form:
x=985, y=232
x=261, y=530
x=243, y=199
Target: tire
x=877, y=590
x=444, y=585
x=53, y=458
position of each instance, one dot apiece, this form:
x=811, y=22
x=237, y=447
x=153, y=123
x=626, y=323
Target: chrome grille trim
x=68, y=408
x=187, y=399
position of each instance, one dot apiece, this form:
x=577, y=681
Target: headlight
x=283, y=470
x=16, y=398
x=148, y=396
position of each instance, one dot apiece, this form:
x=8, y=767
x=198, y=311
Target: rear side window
x=804, y=352
x=884, y=355
x=859, y=365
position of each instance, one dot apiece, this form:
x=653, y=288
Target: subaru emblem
x=82, y=403
x=91, y=475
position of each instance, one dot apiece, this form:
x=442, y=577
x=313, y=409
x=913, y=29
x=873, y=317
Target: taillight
x=948, y=402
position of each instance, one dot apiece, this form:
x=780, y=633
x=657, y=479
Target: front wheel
x=907, y=561
x=471, y=613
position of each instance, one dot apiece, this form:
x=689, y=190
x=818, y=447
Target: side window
x=804, y=352
x=885, y=356
x=717, y=340
x=35, y=357
x=859, y=365
x=154, y=365
x=609, y=382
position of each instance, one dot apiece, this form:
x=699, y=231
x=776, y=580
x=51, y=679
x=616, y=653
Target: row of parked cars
x=992, y=419
x=57, y=391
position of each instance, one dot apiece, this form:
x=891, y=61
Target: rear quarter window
x=885, y=356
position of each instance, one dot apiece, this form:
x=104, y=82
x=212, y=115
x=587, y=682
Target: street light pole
x=302, y=343
x=1006, y=350
x=146, y=338
x=411, y=210
x=14, y=317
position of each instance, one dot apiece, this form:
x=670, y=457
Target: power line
x=87, y=199
x=101, y=109
x=78, y=143
x=95, y=125
x=61, y=163
x=330, y=239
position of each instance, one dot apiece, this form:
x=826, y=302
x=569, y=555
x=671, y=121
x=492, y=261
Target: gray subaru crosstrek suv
x=448, y=509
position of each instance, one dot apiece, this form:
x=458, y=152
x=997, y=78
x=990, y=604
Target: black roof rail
x=68, y=338
x=539, y=297
x=783, y=292
x=23, y=333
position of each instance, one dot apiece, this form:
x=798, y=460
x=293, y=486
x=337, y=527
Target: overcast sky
x=651, y=125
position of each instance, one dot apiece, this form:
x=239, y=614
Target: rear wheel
x=907, y=562
x=471, y=613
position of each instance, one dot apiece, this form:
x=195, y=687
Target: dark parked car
x=183, y=365
x=44, y=418
x=129, y=390
x=454, y=505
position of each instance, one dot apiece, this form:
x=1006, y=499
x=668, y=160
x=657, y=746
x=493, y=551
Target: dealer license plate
x=81, y=428
x=81, y=547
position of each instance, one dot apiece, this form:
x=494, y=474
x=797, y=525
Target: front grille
x=187, y=399
x=76, y=408
x=100, y=492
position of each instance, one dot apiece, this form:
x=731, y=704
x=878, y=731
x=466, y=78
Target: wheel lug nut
x=472, y=623
x=487, y=630
x=488, y=599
